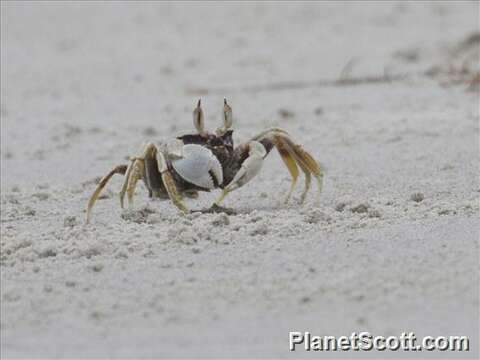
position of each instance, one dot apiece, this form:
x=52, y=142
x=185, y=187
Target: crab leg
x=291, y=166
x=308, y=164
x=123, y=190
x=120, y=169
x=169, y=182
x=172, y=191
x=308, y=181
x=136, y=171
x=224, y=193
x=290, y=151
x=287, y=152
x=136, y=174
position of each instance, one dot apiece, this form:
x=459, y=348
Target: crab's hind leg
x=120, y=169
x=308, y=182
x=308, y=164
x=290, y=151
x=291, y=164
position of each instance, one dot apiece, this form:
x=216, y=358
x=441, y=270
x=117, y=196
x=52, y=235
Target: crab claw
x=199, y=166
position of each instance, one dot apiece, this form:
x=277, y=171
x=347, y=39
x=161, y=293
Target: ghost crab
x=205, y=161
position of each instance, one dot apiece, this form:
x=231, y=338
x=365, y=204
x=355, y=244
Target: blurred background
x=383, y=93
x=73, y=69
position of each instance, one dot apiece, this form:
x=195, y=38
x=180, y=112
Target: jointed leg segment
x=123, y=190
x=305, y=161
x=136, y=174
x=120, y=169
x=169, y=183
x=294, y=155
x=291, y=166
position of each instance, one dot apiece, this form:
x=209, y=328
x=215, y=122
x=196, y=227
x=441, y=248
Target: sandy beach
x=384, y=94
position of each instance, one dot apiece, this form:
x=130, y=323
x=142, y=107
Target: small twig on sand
x=300, y=85
x=346, y=72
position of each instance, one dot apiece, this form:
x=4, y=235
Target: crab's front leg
x=169, y=182
x=142, y=167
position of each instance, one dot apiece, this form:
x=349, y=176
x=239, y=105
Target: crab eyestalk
x=227, y=118
x=227, y=115
x=199, y=119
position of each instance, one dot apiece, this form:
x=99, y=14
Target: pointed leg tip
x=215, y=208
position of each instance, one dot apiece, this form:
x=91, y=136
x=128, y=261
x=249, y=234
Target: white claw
x=196, y=165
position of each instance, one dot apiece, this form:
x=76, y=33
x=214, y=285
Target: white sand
x=83, y=86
